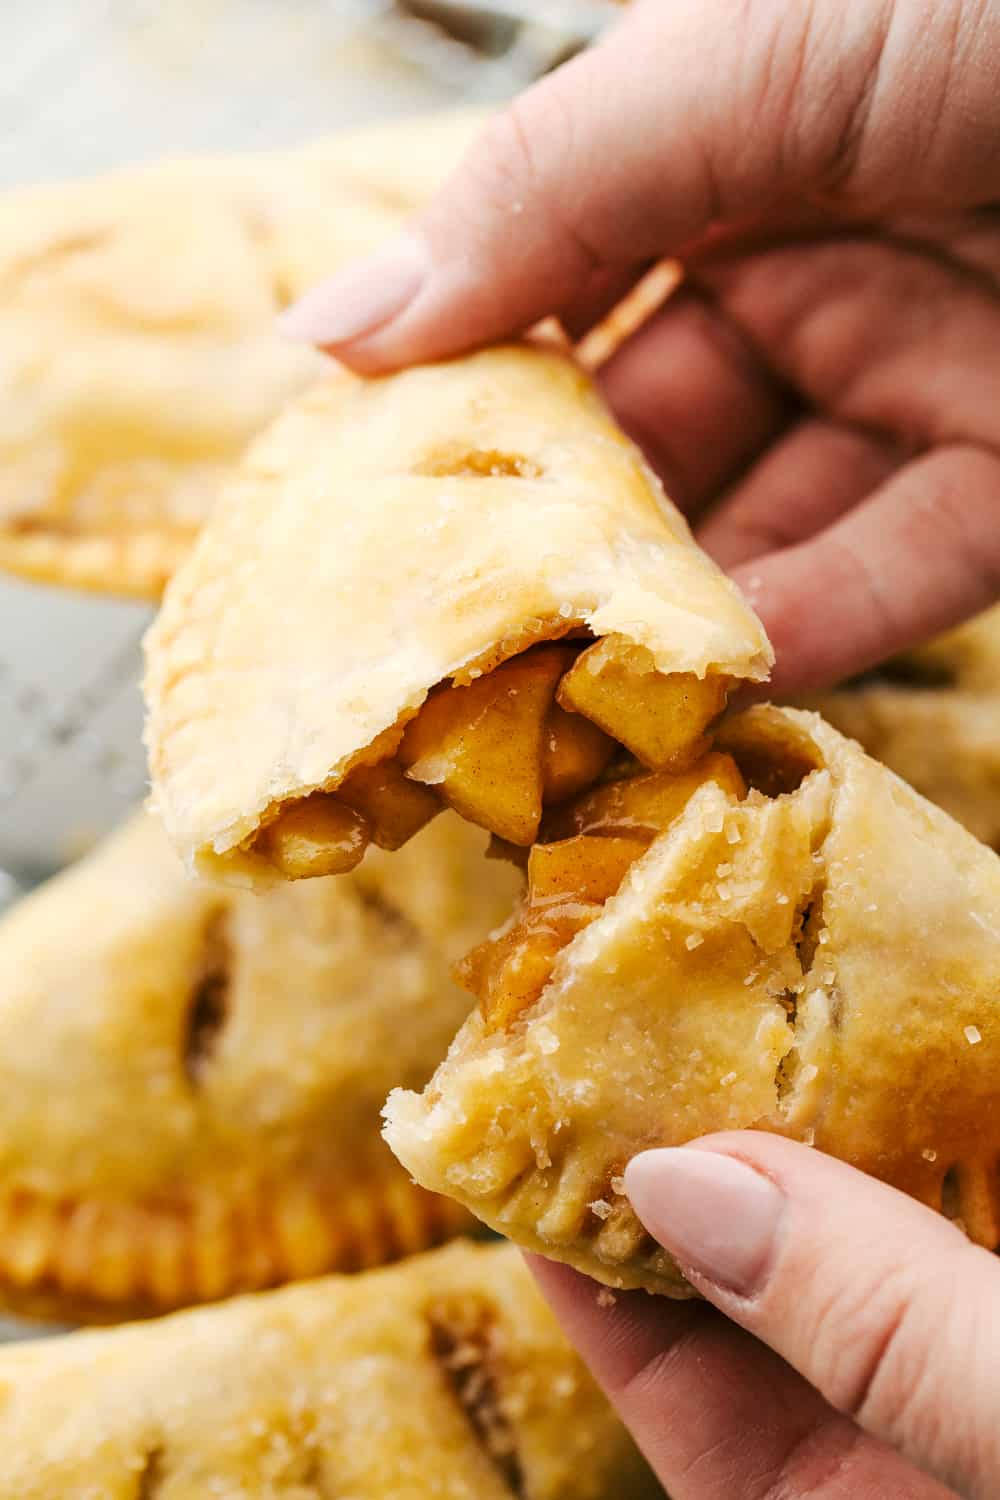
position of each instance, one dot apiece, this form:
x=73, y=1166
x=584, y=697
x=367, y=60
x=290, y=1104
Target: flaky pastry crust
x=444, y=1377
x=137, y=323
x=641, y=303
x=193, y=1077
x=820, y=959
x=386, y=536
x=933, y=716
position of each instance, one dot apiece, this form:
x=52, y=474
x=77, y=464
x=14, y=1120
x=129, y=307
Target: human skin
x=821, y=399
x=848, y=1347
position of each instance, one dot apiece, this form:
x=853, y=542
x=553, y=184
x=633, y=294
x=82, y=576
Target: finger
x=717, y=1414
x=799, y=486
x=695, y=396
x=687, y=115
x=919, y=555
x=882, y=1305
x=880, y=333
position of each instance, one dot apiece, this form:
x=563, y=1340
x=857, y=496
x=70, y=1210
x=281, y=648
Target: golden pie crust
x=933, y=715
x=443, y=1377
x=193, y=1077
x=139, y=348
x=388, y=536
x=820, y=959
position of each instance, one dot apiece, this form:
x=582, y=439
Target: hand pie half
x=819, y=956
x=933, y=715
x=458, y=585
x=139, y=348
x=192, y=1078
x=444, y=1378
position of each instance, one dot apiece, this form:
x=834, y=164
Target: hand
x=826, y=381
x=863, y=1355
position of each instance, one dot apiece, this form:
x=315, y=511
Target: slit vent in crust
x=208, y=1010
x=466, y=1341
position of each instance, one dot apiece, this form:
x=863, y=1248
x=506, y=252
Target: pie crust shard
x=193, y=1076
x=443, y=1377
x=933, y=715
x=399, y=561
x=140, y=349
x=818, y=956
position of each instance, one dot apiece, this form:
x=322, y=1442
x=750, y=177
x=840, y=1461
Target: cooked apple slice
x=568, y=883
x=645, y=804
x=318, y=836
x=480, y=746
x=580, y=869
x=574, y=753
x=508, y=975
x=395, y=806
x=661, y=717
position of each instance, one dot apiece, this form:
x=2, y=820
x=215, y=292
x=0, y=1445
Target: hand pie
x=818, y=956
x=139, y=348
x=482, y=599
x=933, y=715
x=458, y=585
x=443, y=1377
x=193, y=1077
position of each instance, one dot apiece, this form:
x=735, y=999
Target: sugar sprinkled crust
x=137, y=323
x=847, y=937
x=194, y=1076
x=445, y=1378
x=386, y=535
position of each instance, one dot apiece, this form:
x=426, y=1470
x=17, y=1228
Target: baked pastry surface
x=486, y=603
x=443, y=1377
x=139, y=347
x=933, y=715
x=819, y=958
x=388, y=537
x=193, y=1077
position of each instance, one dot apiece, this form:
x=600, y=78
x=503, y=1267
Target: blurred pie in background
x=445, y=1378
x=193, y=1076
x=933, y=716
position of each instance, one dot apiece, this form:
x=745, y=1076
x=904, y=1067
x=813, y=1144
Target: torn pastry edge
x=964, y=1191
x=226, y=859
x=655, y=1270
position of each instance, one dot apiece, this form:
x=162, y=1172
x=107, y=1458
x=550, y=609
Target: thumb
x=882, y=1305
x=690, y=116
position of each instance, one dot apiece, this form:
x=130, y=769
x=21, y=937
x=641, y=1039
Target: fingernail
x=715, y=1215
x=360, y=298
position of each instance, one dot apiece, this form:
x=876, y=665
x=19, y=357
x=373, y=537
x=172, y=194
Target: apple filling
x=570, y=879
x=581, y=753
x=328, y=833
x=503, y=749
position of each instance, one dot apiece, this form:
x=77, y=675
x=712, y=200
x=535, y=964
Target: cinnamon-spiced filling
x=581, y=753
x=570, y=878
